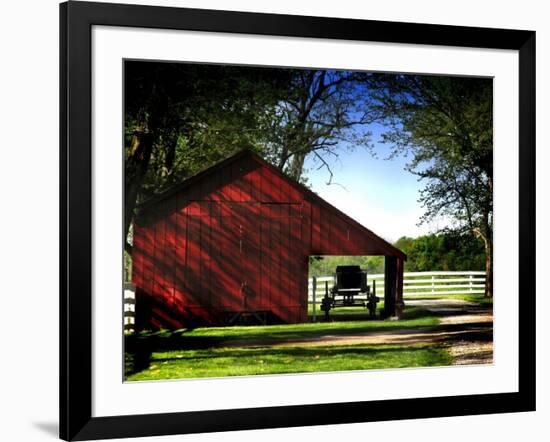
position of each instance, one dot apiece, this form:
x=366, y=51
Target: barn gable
x=247, y=178
x=236, y=238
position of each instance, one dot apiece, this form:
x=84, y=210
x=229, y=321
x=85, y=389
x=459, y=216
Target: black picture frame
x=76, y=21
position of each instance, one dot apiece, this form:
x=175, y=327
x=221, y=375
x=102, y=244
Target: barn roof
x=147, y=205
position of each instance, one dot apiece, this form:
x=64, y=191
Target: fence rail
x=129, y=307
x=416, y=283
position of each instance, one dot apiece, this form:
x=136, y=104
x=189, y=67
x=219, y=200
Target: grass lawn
x=212, y=336
x=220, y=362
x=478, y=298
x=343, y=313
x=231, y=351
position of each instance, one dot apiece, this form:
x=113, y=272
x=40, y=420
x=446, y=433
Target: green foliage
x=461, y=252
x=197, y=114
x=324, y=112
x=127, y=267
x=445, y=125
x=326, y=265
x=442, y=252
x=181, y=118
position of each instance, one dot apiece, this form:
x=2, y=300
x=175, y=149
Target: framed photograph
x=273, y=220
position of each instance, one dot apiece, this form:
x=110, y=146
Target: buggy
x=350, y=289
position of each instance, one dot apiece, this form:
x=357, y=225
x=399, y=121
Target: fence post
x=314, y=288
x=129, y=307
x=433, y=284
x=471, y=283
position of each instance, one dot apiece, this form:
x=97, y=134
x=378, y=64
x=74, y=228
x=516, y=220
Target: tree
x=180, y=118
x=450, y=251
x=326, y=265
x=324, y=111
x=445, y=125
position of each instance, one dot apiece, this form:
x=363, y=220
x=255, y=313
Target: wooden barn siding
x=242, y=224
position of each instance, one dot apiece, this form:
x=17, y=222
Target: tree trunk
x=136, y=168
x=297, y=166
x=488, y=267
x=283, y=156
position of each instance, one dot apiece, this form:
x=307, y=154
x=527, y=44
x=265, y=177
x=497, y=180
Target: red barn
x=235, y=239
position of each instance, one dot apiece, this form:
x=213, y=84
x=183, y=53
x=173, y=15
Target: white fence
x=129, y=307
x=414, y=284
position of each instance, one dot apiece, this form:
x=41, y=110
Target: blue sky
x=376, y=192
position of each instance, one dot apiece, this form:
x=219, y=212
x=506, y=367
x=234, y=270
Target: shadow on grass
x=140, y=347
x=292, y=352
x=481, y=300
x=416, y=313
x=214, y=336
x=221, y=362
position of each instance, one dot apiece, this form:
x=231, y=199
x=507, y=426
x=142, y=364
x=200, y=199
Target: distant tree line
x=435, y=252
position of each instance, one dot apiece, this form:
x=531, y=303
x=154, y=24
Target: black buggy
x=350, y=289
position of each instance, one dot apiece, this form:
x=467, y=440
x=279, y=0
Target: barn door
x=248, y=226
x=239, y=259
x=280, y=260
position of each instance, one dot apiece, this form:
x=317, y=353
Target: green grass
x=478, y=298
x=355, y=312
x=218, y=351
x=220, y=362
x=212, y=336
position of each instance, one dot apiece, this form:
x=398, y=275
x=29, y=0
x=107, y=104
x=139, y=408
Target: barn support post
x=314, y=293
x=399, y=304
x=141, y=314
x=390, y=286
x=393, y=287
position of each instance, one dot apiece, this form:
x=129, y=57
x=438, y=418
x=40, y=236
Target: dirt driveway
x=472, y=340
x=466, y=327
